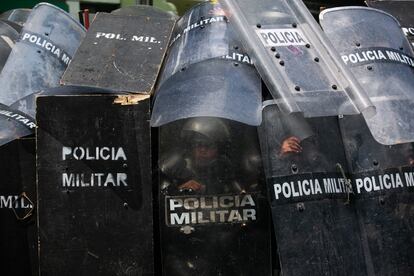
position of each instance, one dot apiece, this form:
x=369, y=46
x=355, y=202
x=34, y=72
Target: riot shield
x=373, y=46
x=94, y=186
x=201, y=33
x=8, y=37
x=18, y=16
x=127, y=48
x=14, y=124
x=384, y=187
x=207, y=73
x=47, y=43
x=18, y=241
x=214, y=218
x=27, y=105
x=402, y=10
x=316, y=229
x=295, y=59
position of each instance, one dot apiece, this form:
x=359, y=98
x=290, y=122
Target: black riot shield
x=18, y=241
x=402, y=10
x=315, y=226
x=127, y=48
x=27, y=105
x=383, y=178
x=373, y=46
x=94, y=186
x=47, y=43
x=213, y=209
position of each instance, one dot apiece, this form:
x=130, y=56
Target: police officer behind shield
x=201, y=165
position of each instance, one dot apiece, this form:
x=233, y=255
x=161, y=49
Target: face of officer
x=204, y=152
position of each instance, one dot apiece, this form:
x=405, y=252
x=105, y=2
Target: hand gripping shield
x=47, y=43
x=296, y=61
x=374, y=48
x=207, y=73
x=315, y=225
x=402, y=10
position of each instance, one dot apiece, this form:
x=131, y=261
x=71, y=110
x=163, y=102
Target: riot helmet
x=207, y=138
x=206, y=129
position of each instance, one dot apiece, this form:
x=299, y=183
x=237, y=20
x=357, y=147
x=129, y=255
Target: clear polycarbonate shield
x=383, y=178
x=214, y=217
x=374, y=48
x=402, y=10
x=202, y=33
x=215, y=87
x=207, y=73
x=8, y=37
x=18, y=16
x=14, y=124
x=310, y=194
x=294, y=58
x=47, y=43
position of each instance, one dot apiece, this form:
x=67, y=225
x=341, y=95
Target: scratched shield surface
x=129, y=49
x=315, y=225
x=373, y=46
x=94, y=186
x=384, y=197
x=37, y=61
x=18, y=239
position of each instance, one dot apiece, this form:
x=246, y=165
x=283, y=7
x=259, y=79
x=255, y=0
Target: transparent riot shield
x=402, y=10
x=384, y=194
x=14, y=124
x=18, y=16
x=373, y=46
x=206, y=72
x=200, y=34
x=214, y=218
x=295, y=60
x=8, y=37
x=214, y=87
x=47, y=43
x=315, y=224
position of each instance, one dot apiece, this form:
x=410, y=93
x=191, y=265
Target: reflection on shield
x=295, y=60
x=48, y=41
x=373, y=46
